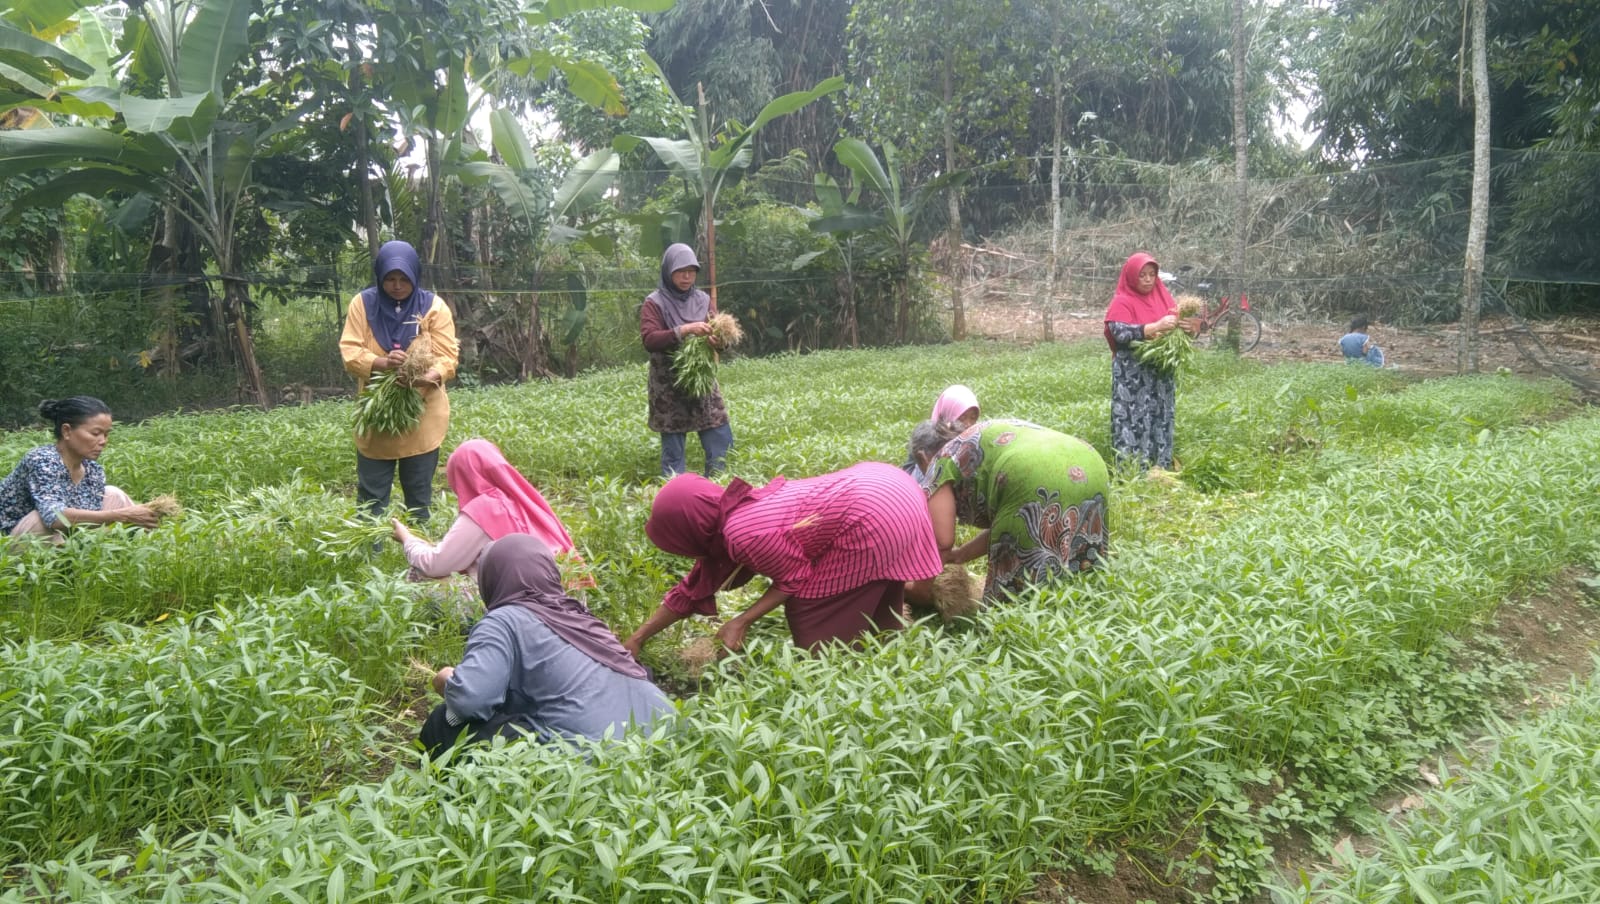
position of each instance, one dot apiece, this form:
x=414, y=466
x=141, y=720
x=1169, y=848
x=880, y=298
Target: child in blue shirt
x=1357, y=345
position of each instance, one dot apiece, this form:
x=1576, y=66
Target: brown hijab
x=519, y=570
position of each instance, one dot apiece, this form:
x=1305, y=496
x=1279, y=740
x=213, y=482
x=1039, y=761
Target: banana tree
x=707, y=166
x=552, y=220
x=842, y=220
x=473, y=44
x=30, y=67
x=895, y=220
x=183, y=149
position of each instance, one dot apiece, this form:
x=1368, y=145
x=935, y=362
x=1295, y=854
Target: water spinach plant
x=1273, y=641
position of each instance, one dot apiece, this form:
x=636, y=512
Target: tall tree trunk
x=1241, y=174
x=958, y=322
x=435, y=238
x=236, y=301
x=1478, y=223
x=197, y=328
x=55, y=280
x=369, y=207
x=1055, y=180
x=708, y=214
x=852, y=328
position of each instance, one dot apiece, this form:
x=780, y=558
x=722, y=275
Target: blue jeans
x=716, y=442
x=1374, y=356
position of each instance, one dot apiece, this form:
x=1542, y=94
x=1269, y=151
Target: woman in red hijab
x=1142, y=399
x=838, y=548
x=494, y=500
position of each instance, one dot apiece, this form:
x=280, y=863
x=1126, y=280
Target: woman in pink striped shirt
x=838, y=549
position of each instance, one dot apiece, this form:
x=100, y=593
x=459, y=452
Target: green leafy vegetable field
x=220, y=709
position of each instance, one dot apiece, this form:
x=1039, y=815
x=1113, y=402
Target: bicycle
x=1213, y=320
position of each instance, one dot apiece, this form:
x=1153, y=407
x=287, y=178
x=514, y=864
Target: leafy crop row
x=1305, y=631
x=1517, y=823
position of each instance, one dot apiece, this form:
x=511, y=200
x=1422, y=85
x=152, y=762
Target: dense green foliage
x=1516, y=822
x=1276, y=638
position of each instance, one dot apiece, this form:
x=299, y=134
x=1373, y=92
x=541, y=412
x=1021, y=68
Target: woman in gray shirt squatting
x=538, y=664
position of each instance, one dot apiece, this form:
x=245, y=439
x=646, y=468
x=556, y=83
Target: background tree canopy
x=193, y=173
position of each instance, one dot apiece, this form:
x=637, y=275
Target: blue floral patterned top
x=41, y=483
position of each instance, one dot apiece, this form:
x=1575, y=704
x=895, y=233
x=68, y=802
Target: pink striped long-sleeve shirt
x=820, y=536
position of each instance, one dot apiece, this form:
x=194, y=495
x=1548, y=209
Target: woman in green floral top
x=1039, y=495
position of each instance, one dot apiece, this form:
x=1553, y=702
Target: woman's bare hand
x=731, y=634
x=140, y=515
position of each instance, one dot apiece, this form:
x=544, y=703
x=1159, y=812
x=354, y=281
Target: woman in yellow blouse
x=382, y=322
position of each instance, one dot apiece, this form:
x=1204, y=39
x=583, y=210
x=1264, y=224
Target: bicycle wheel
x=1216, y=335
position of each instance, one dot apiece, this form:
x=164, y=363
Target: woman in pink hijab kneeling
x=494, y=500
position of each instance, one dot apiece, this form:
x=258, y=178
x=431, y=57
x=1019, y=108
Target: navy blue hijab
x=395, y=324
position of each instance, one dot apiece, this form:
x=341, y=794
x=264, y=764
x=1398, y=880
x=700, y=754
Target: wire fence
x=1381, y=241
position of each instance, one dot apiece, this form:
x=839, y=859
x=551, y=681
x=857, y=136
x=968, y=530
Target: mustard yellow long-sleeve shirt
x=360, y=349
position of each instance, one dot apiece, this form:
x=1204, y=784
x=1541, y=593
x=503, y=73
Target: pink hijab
x=500, y=500
x=1128, y=306
x=954, y=402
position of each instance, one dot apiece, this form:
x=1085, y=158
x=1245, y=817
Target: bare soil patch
x=1425, y=351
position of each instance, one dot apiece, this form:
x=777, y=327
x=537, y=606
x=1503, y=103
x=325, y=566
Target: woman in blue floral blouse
x=62, y=485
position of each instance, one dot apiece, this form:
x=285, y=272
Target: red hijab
x=500, y=500
x=686, y=519
x=1128, y=306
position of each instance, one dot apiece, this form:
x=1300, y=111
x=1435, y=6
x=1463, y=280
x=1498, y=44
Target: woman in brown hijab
x=539, y=663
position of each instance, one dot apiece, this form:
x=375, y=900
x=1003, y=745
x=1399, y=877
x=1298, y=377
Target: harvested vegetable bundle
x=699, y=654
x=165, y=506
x=694, y=364
x=389, y=403
x=1174, y=350
x=956, y=593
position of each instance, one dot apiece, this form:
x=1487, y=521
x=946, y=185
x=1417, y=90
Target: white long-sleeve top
x=457, y=551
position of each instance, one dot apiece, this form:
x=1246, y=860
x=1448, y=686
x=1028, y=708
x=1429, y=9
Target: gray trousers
x=375, y=480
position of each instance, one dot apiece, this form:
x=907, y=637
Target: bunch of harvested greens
x=957, y=593
x=165, y=506
x=388, y=403
x=694, y=364
x=1174, y=350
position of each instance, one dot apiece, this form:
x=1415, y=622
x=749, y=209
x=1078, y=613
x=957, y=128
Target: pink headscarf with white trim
x=954, y=402
x=499, y=499
x=1128, y=306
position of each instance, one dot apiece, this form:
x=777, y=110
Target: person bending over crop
x=538, y=664
x=957, y=403
x=1039, y=495
x=838, y=549
x=61, y=484
x=671, y=314
x=390, y=323
x=1143, y=399
x=494, y=500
